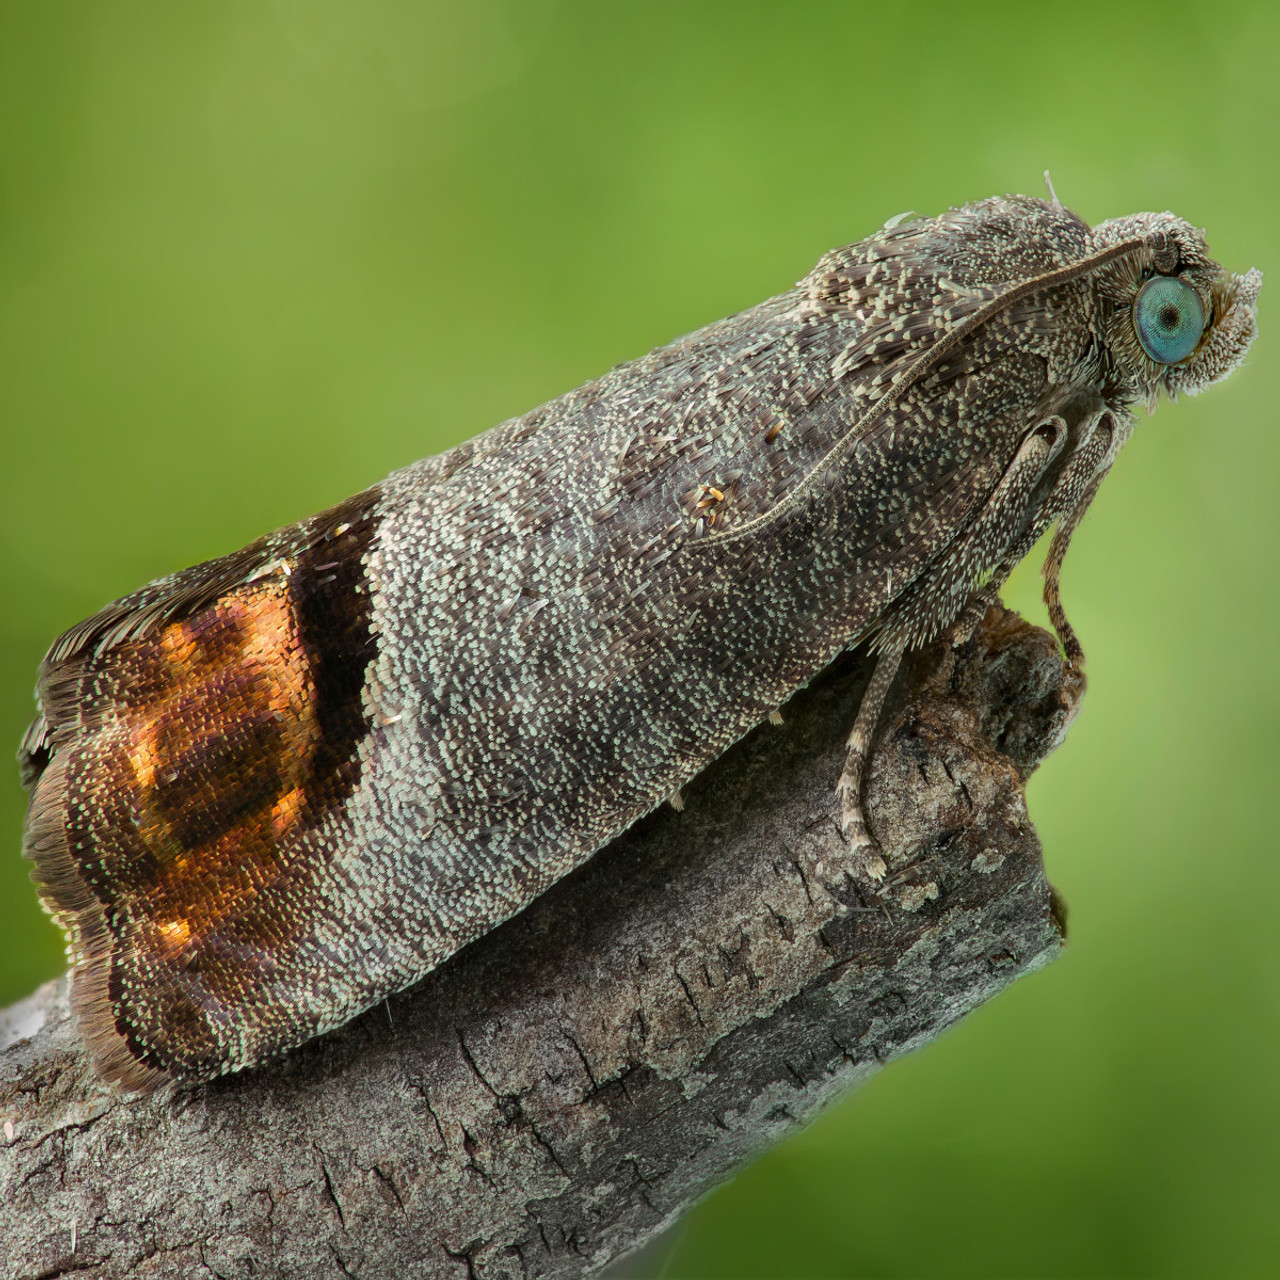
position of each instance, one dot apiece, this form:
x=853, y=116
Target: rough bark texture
x=566, y=1087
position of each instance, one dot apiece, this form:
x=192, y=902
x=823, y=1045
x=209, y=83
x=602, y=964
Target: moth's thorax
x=919, y=279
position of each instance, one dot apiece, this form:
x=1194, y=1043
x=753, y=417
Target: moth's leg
x=976, y=607
x=989, y=592
x=1066, y=503
x=1075, y=490
x=863, y=854
x=929, y=606
x=933, y=602
x=1052, y=571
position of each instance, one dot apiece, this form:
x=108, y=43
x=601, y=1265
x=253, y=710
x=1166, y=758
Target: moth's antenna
x=1053, y=195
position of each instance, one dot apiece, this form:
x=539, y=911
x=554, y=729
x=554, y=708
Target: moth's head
x=1172, y=319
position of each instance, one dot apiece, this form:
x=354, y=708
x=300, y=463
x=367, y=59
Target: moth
x=270, y=790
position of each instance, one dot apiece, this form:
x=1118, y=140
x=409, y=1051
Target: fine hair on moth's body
x=271, y=790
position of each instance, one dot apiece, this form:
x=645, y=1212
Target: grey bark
x=565, y=1088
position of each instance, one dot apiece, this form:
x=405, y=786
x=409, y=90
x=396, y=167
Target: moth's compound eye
x=1169, y=319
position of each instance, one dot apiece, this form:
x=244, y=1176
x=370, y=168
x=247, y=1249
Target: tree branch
x=566, y=1087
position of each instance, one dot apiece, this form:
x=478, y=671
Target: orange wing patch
x=217, y=754
x=197, y=779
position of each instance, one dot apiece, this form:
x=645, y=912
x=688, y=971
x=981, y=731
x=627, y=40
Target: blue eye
x=1169, y=318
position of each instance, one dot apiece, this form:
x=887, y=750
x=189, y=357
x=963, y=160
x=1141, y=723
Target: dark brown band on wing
x=332, y=603
x=199, y=772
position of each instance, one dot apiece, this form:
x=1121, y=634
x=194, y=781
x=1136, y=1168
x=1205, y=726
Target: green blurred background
x=255, y=255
